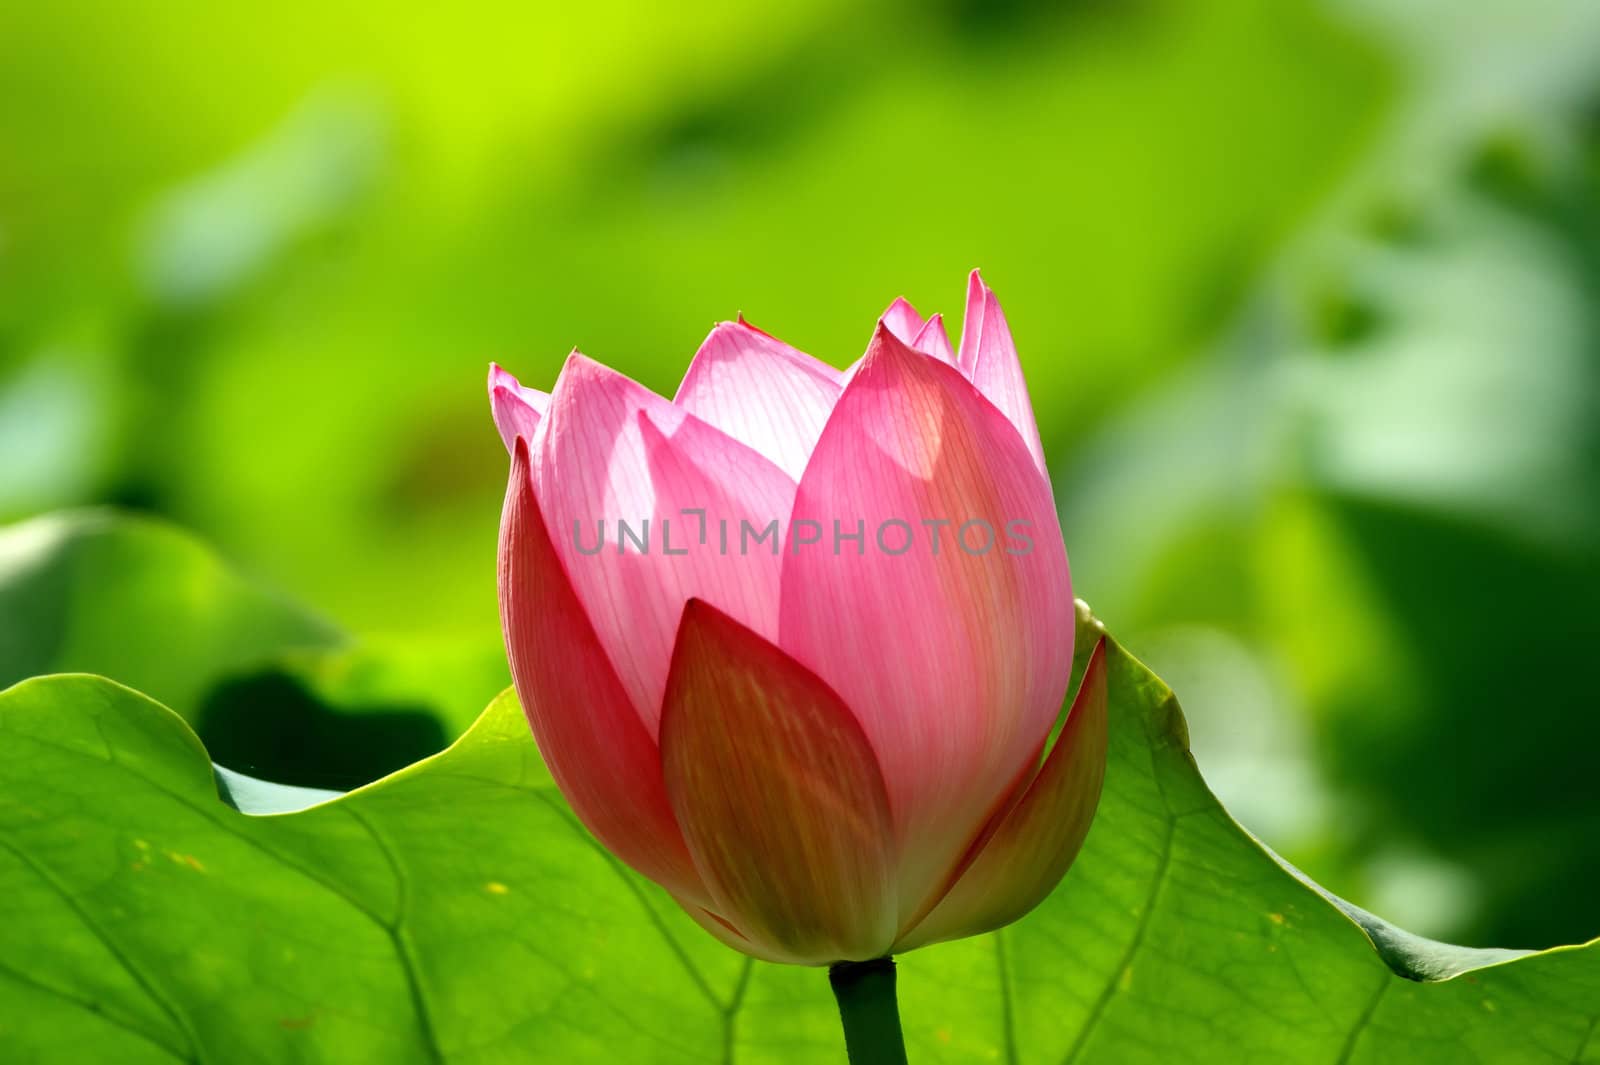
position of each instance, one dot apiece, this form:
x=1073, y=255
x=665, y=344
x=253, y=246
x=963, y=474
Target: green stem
x=871, y=1015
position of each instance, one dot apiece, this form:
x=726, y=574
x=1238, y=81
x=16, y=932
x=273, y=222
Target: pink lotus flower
x=827, y=743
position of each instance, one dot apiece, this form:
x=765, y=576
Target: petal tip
x=580, y=375
x=502, y=380
x=885, y=339
x=901, y=305
x=517, y=411
x=744, y=323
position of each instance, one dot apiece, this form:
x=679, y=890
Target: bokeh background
x=1308, y=295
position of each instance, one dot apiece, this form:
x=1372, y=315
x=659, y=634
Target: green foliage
x=163, y=910
x=269, y=687
x=1355, y=536
x=1306, y=291
x=98, y=592
x=286, y=349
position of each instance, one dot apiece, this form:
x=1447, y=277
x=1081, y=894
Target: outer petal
x=779, y=795
x=610, y=450
x=724, y=931
x=761, y=392
x=597, y=748
x=989, y=359
x=955, y=662
x=1032, y=847
x=517, y=410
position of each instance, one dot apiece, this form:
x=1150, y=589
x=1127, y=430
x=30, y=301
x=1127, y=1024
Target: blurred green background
x=1308, y=295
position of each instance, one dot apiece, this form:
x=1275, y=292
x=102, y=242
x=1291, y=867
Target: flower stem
x=869, y=1010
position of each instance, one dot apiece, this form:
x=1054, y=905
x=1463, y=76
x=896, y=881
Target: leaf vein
x=1588, y=1037
x=1363, y=1021
x=1008, y=1024
x=673, y=945
x=731, y=1010
x=404, y=949
x=1163, y=864
x=1113, y=981
x=93, y=1008
x=179, y=1021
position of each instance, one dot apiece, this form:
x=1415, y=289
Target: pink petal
x=517, y=410
x=989, y=359
x=956, y=663
x=723, y=930
x=933, y=340
x=761, y=392
x=1030, y=850
x=779, y=795
x=610, y=450
x=903, y=321
x=927, y=337
x=598, y=750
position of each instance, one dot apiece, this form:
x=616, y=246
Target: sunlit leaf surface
x=160, y=910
